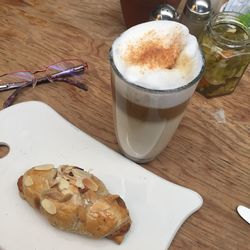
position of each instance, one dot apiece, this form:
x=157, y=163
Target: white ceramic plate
x=36, y=134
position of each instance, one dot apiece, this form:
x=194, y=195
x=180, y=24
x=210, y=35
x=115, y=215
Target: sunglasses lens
x=58, y=67
x=64, y=66
x=19, y=78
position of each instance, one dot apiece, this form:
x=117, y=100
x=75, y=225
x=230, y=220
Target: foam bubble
x=158, y=55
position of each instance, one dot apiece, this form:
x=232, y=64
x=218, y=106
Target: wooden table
x=204, y=155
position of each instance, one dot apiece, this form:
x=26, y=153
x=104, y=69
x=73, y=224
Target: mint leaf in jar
x=245, y=19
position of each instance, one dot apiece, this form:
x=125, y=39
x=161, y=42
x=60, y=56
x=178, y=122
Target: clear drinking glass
x=145, y=120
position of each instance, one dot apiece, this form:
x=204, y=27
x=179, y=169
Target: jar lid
x=198, y=9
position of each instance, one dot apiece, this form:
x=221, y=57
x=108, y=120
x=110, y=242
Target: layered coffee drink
x=155, y=69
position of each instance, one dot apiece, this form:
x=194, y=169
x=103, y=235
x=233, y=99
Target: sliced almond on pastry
x=48, y=206
x=80, y=173
x=63, y=184
x=79, y=183
x=90, y=196
x=44, y=167
x=89, y=183
x=27, y=180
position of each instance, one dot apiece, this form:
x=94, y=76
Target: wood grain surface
x=204, y=155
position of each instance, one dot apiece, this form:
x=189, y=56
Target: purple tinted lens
x=57, y=67
x=17, y=77
x=67, y=68
x=24, y=76
x=61, y=66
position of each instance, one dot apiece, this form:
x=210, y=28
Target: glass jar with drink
x=226, y=46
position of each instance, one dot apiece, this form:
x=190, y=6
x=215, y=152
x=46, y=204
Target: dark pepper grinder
x=138, y=11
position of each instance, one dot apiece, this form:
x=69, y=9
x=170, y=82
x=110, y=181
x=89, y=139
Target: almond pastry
x=74, y=200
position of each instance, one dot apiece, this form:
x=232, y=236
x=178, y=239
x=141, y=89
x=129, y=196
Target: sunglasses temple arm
x=13, y=96
x=9, y=86
x=67, y=72
x=77, y=84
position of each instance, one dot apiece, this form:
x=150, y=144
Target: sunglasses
x=68, y=71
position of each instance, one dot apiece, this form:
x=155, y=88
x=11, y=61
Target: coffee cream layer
x=158, y=55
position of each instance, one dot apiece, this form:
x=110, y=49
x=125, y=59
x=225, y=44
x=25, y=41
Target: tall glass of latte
x=155, y=69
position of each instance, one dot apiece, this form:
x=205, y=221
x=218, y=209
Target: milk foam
x=185, y=68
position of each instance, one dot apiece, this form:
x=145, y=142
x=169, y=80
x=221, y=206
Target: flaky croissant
x=76, y=201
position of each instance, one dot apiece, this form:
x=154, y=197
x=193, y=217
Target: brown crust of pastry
x=74, y=200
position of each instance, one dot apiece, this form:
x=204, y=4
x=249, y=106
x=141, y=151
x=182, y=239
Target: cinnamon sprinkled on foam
x=152, y=53
x=157, y=55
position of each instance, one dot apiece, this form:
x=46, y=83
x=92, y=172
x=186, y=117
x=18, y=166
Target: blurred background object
x=240, y=6
x=164, y=12
x=138, y=11
x=196, y=15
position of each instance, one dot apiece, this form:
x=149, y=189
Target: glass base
x=137, y=160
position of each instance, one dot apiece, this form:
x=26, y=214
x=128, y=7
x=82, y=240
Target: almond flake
x=64, y=168
x=80, y=173
x=44, y=167
x=79, y=183
x=63, y=184
x=66, y=191
x=91, y=196
x=58, y=178
x=48, y=206
x=27, y=181
x=89, y=183
x=66, y=197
